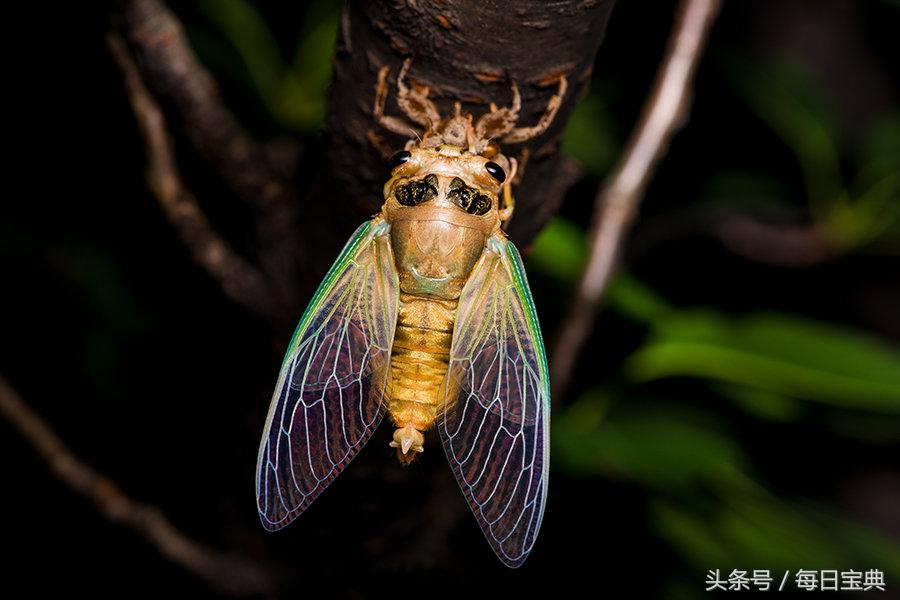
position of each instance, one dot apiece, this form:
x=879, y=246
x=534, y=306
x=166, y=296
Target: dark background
x=727, y=413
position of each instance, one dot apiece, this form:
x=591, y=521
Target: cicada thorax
x=439, y=226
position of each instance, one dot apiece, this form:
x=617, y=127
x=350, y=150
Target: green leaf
x=874, y=215
x=304, y=94
x=295, y=95
x=757, y=530
x=762, y=404
x=766, y=529
x=661, y=448
x=780, y=354
x=634, y=300
x=559, y=251
x=690, y=533
x=250, y=35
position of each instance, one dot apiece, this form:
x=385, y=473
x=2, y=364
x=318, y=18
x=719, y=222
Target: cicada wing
x=330, y=394
x=496, y=419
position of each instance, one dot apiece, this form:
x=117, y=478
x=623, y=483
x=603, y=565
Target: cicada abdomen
x=426, y=315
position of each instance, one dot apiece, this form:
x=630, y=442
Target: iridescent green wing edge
x=347, y=254
x=331, y=386
x=517, y=270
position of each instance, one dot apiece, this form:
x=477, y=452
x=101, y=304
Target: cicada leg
x=499, y=121
x=523, y=134
x=415, y=103
x=509, y=203
x=393, y=124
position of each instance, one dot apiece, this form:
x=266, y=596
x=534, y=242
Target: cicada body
x=426, y=316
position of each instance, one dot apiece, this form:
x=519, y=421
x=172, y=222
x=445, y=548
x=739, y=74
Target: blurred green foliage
x=779, y=354
x=704, y=496
x=785, y=99
x=293, y=91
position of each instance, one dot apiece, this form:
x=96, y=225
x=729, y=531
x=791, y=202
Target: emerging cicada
x=425, y=315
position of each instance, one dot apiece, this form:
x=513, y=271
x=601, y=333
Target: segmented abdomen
x=419, y=359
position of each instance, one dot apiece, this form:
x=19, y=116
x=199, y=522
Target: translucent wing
x=495, y=425
x=330, y=392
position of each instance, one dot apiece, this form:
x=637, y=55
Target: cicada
x=426, y=315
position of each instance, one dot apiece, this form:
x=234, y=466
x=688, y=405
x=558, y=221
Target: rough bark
x=468, y=51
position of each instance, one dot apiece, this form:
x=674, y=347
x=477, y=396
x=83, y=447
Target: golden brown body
x=436, y=245
x=419, y=360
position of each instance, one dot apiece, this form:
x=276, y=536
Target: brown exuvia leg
x=394, y=124
x=523, y=134
x=499, y=121
x=415, y=104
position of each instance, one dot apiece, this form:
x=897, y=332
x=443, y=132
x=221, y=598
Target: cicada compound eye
x=495, y=171
x=399, y=158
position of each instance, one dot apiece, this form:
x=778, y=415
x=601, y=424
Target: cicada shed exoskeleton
x=426, y=315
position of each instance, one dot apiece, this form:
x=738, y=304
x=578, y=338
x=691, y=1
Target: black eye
x=496, y=171
x=400, y=158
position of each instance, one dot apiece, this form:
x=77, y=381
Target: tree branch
x=174, y=75
x=241, y=281
x=783, y=245
x=228, y=573
x=466, y=51
x=617, y=201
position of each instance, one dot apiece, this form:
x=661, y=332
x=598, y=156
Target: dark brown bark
x=468, y=51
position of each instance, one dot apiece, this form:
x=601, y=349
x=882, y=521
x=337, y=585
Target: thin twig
x=617, y=201
x=781, y=245
x=175, y=77
x=240, y=280
x=227, y=573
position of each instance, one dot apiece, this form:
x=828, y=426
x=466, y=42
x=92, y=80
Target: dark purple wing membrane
x=495, y=422
x=330, y=392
